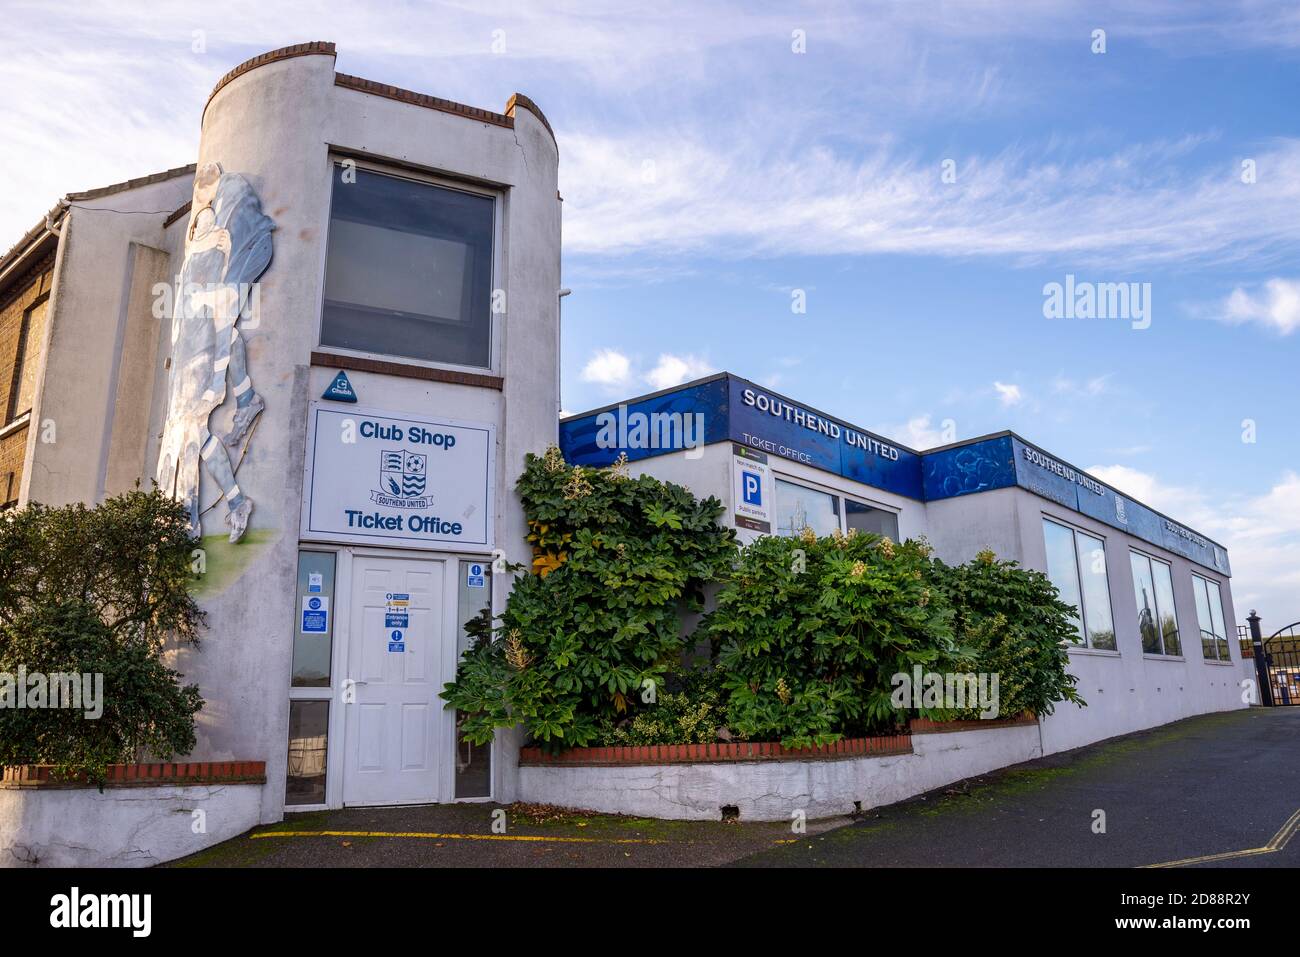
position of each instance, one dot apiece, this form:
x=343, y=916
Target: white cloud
x=919, y=433
x=1097, y=385
x=615, y=371
x=673, y=370
x=1009, y=394
x=1187, y=505
x=608, y=368
x=758, y=174
x=749, y=192
x=1276, y=305
x=1260, y=531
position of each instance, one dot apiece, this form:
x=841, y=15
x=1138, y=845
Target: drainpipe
x=559, y=334
x=56, y=230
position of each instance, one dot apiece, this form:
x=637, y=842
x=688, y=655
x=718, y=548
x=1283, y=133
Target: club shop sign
x=391, y=478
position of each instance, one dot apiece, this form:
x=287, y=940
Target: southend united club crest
x=402, y=480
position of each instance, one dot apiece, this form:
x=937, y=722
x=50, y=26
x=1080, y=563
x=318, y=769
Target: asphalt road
x=1209, y=785
x=1215, y=784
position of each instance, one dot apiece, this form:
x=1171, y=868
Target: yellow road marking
x=1279, y=841
x=430, y=836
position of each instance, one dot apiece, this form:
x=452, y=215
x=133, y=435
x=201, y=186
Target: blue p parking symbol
x=752, y=488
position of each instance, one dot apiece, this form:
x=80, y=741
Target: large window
x=1076, y=564
x=799, y=507
x=409, y=269
x=22, y=389
x=1157, y=619
x=868, y=518
x=1209, y=614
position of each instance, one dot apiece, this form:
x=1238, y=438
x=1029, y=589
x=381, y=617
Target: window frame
x=1152, y=561
x=498, y=195
x=858, y=500
x=12, y=412
x=841, y=498
x=1085, y=643
x=1220, y=641
x=779, y=477
x=345, y=556
x=327, y=692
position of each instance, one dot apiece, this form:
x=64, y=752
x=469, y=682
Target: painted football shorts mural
x=227, y=249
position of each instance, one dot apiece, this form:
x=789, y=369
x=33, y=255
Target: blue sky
x=709, y=170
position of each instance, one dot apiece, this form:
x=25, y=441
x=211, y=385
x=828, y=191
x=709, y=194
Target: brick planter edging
x=926, y=726
x=170, y=774
x=718, y=752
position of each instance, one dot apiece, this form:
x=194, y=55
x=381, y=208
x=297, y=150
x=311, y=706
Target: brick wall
x=15, y=302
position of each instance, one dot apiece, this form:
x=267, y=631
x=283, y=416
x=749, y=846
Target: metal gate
x=1277, y=662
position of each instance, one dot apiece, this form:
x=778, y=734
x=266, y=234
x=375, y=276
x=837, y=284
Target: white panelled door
x=392, y=730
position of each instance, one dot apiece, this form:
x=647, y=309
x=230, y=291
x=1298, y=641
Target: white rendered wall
x=707, y=471
x=1127, y=690
x=773, y=790
x=277, y=126
x=120, y=827
x=78, y=390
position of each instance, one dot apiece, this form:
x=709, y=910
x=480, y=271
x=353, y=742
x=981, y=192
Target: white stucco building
x=335, y=336
x=411, y=244
x=1156, y=635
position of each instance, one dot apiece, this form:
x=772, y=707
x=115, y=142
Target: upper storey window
x=22, y=391
x=409, y=269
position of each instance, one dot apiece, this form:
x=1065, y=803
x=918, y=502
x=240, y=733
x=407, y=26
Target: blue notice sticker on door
x=315, y=615
x=474, y=577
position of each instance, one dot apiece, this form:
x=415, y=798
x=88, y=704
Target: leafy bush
x=1014, y=622
x=617, y=561
x=692, y=715
x=806, y=637
x=128, y=558
x=144, y=709
x=809, y=632
x=98, y=591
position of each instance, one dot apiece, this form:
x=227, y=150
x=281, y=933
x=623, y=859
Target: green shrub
x=617, y=561
x=1013, y=622
x=145, y=711
x=129, y=558
x=98, y=591
x=694, y=714
x=805, y=640
x=809, y=632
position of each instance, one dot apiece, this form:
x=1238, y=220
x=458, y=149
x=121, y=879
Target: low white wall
x=772, y=790
x=120, y=827
x=1249, y=671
